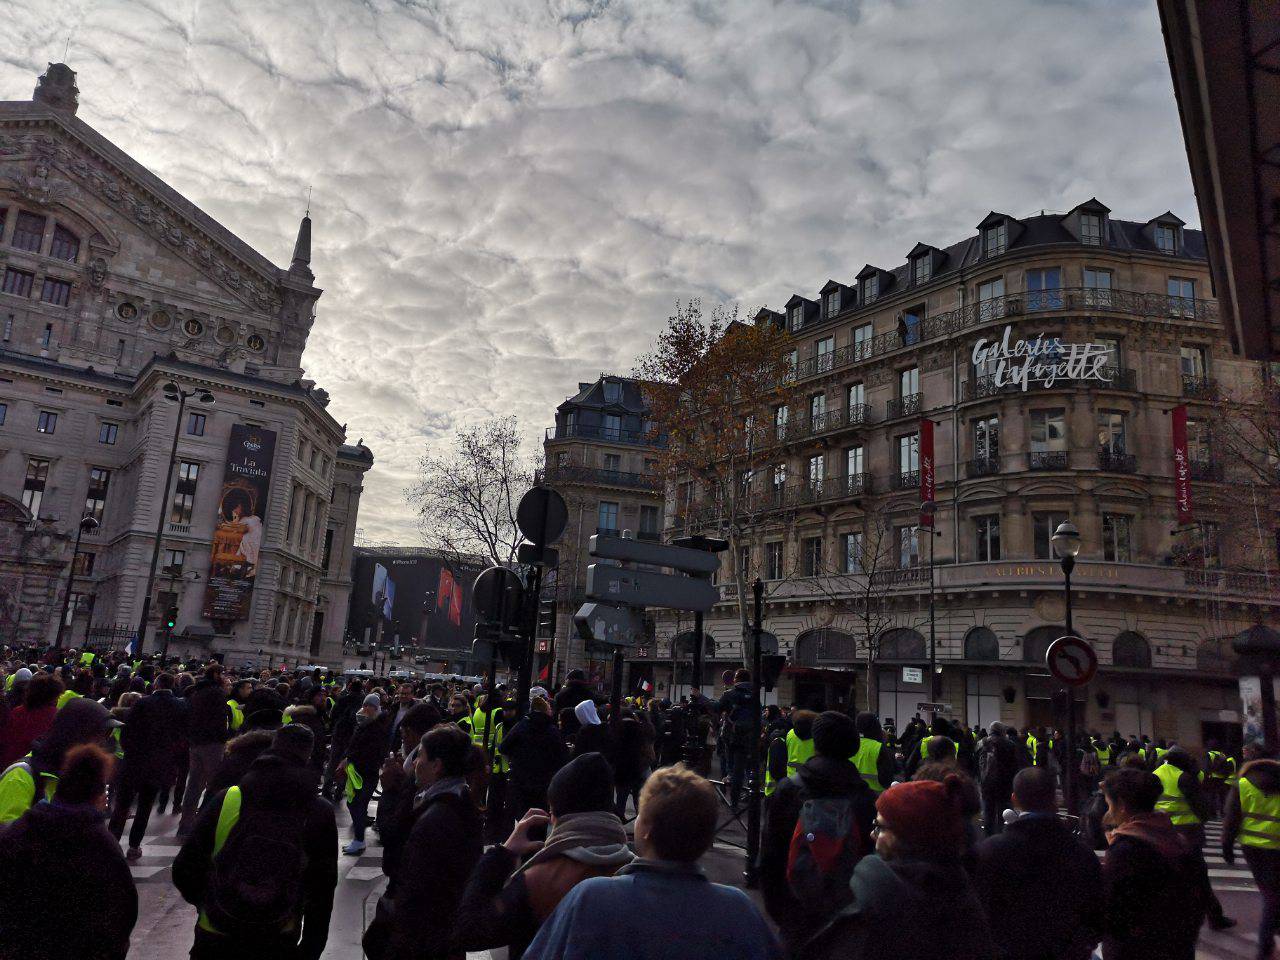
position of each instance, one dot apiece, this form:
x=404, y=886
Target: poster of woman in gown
x=237, y=538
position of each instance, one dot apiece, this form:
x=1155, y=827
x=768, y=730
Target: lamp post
x=172, y=392
x=928, y=510
x=1066, y=546
x=87, y=522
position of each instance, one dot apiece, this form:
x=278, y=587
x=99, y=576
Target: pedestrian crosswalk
x=1223, y=877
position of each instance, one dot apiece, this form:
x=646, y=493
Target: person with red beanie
x=912, y=898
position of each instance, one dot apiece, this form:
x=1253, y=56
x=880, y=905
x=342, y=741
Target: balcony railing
x=983, y=466
x=790, y=496
x=1121, y=378
x=1198, y=388
x=652, y=536
x=906, y=480
x=609, y=531
x=1048, y=460
x=179, y=527
x=584, y=431
x=1235, y=581
x=902, y=406
x=836, y=418
x=1207, y=470
x=953, y=322
x=1114, y=462
x=577, y=473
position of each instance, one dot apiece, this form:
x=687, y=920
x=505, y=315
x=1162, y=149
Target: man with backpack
x=997, y=766
x=261, y=862
x=737, y=707
x=818, y=827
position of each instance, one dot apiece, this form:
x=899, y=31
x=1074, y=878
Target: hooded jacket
x=1154, y=881
x=536, y=751
x=208, y=719
x=501, y=909
x=281, y=786
x=819, y=777
x=1263, y=774
x=58, y=868
x=906, y=909
x=573, y=693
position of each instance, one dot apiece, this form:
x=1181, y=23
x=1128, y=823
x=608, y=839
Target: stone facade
x=839, y=497
x=601, y=458
x=113, y=287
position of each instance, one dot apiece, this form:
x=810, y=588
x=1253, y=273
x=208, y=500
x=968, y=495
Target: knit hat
x=293, y=742
x=21, y=675
x=373, y=700
x=582, y=785
x=924, y=814
x=835, y=735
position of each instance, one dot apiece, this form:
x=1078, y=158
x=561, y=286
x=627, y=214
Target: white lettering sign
x=1042, y=361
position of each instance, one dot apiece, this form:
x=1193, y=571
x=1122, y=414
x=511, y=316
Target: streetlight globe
x=1066, y=540
x=88, y=523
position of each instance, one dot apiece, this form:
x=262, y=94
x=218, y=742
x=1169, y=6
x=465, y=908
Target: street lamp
x=1066, y=545
x=172, y=392
x=87, y=523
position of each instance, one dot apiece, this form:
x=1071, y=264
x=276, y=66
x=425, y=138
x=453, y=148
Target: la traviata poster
x=237, y=538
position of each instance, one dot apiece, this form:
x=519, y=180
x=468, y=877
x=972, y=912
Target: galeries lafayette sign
x=1042, y=361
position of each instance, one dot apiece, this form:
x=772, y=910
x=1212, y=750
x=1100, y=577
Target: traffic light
x=171, y=618
x=546, y=618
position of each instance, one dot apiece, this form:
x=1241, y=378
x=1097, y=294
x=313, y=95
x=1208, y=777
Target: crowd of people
x=574, y=828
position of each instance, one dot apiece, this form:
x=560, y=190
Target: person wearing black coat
x=1009, y=872
x=535, y=751
x=574, y=691
x=278, y=783
x=208, y=727
x=150, y=740
x=65, y=888
x=414, y=920
x=997, y=767
x=827, y=775
x=342, y=723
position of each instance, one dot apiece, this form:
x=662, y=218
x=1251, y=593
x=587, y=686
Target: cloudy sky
x=509, y=196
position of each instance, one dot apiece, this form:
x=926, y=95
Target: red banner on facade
x=1181, y=466
x=926, y=472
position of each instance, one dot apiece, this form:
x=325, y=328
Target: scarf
x=597, y=839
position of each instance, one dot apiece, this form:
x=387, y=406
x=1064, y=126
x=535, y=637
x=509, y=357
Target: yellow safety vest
x=1214, y=756
x=867, y=760
x=500, y=762
x=66, y=697
x=1104, y=755
x=770, y=784
x=18, y=789
x=799, y=750
x=477, y=726
x=237, y=715
x=1172, y=800
x=924, y=746
x=1033, y=748
x=1161, y=751
x=1260, y=826
x=1234, y=776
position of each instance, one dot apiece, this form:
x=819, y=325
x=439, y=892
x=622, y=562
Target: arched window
x=980, y=643
x=902, y=643
x=66, y=245
x=1037, y=640
x=826, y=645
x=1130, y=649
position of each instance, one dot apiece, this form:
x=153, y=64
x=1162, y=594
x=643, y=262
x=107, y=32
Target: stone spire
x=57, y=88
x=301, y=265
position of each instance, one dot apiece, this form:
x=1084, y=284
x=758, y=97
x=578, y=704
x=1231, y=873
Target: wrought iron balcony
x=1235, y=581
x=1121, y=378
x=953, y=322
x=906, y=480
x=585, y=431
x=835, y=418
x=1199, y=388
x=1115, y=462
x=652, y=536
x=577, y=473
x=983, y=466
x=1205, y=469
x=906, y=406
x=1048, y=460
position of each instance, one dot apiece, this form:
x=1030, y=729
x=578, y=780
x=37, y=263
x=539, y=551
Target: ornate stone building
x=1049, y=356
x=115, y=286
x=600, y=457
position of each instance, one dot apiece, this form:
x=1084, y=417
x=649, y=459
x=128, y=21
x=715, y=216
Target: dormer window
x=995, y=240
x=923, y=268
x=870, y=288
x=797, y=316
x=1091, y=229
x=612, y=391
x=833, y=303
x=1166, y=238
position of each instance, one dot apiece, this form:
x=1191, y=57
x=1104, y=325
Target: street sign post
x=1071, y=660
x=606, y=547
x=639, y=588
x=542, y=515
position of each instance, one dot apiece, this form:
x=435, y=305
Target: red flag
x=1181, y=466
x=926, y=471
x=545, y=673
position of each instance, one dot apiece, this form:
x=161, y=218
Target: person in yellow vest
x=1215, y=777
x=1252, y=816
x=799, y=740
x=81, y=721
x=1182, y=798
x=874, y=760
x=1103, y=749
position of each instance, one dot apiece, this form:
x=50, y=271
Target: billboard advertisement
x=237, y=538
x=420, y=598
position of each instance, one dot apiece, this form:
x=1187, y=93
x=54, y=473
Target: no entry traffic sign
x=1071, y=660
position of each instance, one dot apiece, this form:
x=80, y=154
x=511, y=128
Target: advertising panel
x=1181, y=466
x=423, y=600
x=237, y=538
x=927, y=472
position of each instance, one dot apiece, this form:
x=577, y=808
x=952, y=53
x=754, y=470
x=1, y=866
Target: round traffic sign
x=542, y=515
x=1071, y=660
x=496, y=596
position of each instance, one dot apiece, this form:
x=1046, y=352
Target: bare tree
x=466, y=500
x=713, y=384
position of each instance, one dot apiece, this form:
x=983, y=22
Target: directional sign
x=1071, y=660
x=925, y=706
x=654, y=554
x=541, y=515
x=639, y=588
x=606, y=623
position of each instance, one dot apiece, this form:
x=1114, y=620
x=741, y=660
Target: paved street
x=165, y=922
